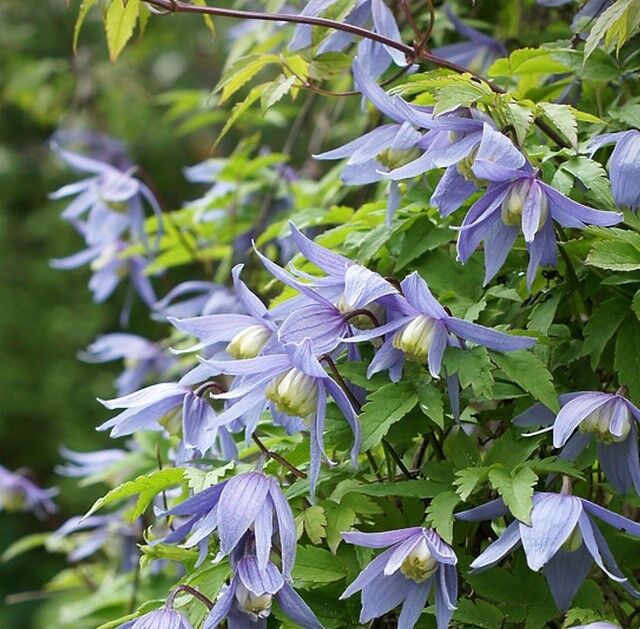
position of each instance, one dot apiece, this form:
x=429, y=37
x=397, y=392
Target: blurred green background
x=47, y=397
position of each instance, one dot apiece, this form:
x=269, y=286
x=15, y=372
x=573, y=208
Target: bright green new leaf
x=516, y=489
x=120, y=21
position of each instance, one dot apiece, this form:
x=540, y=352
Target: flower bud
x=513, y=204
x=295, y=393
x=598, y=424
x=415, y=338
x=256, y=605
x=419, y=564
x=395, y=158
x=248, y=343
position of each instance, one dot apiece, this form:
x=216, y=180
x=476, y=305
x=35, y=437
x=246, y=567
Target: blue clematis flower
x=166, y=617
x=195, y=298
x=19, y=493
x=326, y=321
x=416, y=561
x=477, y=53
x=374, y=14
x=624, y=165
x=246, y=601
x=562, y=540
x=142, y=358
x=295, y=386
x=88, y=464
x=146, y=407
x=108, y=188
x=517, y=200
x=247, y=503
x=420, y=330
x=609, y=418
x=245, y=335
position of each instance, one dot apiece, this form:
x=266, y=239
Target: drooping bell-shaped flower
x=245, y=335
x=562, y=540
x=106, y=188
x=420, y=330
x=195, y=298
x=247, y=600
x=415, y=562
x=518, y=201
x=145, y=408
x=247, y=502
x=294, y=385
x=166, y=617
x=19, y=493
x=86, y=465
x=374, y=14
x=609, y=419
x=142, y=358
x=624, y=165
x=477, y=53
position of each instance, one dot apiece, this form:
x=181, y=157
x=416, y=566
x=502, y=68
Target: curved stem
x=412, y=54
x=362, y=312
x=276, y=457
x=195, y=593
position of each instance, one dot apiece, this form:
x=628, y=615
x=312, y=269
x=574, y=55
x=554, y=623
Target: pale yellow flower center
x=248, y=343
x=415, y=338
x=295, y=393
x=419, y=564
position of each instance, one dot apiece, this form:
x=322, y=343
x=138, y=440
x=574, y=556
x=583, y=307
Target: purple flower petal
x=296, y=609
x=497, y=550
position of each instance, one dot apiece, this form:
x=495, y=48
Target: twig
x=412, y=53
x=190, y=590
x=276, y=457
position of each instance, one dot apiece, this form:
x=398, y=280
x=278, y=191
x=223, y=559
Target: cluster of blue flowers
x=233, y=364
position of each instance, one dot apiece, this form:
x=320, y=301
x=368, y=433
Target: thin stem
x=133, y=603
x=362, y=312
x=195, y=593
x=398, y=459
x=276, y=457
x=412, y=53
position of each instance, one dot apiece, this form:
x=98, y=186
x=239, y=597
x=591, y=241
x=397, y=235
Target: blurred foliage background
x=47, y=396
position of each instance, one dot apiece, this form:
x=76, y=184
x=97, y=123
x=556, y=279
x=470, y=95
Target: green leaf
x=276, y=91
x=24, y=544
x=315, y=524
x=440, y=514
x=516, y=489
x=430, y=401
x=85, y=7
x=403, y=489
x=468, y=479
x=459, y=94
x=473, y=368
x=208, y=20
x=461, y=449
x=240, y=108
x=120, y=20
x=527, y=61
x=528, y=372
x=510, y=450
x=610, y=23
x=316, y=567
x=593, y=176
x=383, y=408
x=145, y=487
x=478, y=613
x=562, y=119
x=615, y=254
x=602, y=325
x=198, y=479
x=340, y=518
x=241, y=72
x=627, y=356
x=553, y=465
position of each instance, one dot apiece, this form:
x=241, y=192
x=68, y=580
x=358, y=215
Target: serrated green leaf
x=145, y=487
x=562, y=118
x=383, y=408
x=613, y=19
x=478, y=613
x=529, y=373
x=240, y=108
x=468, y=479
x=316, y=567
x=510, y=450
x=315, y=524
x=276, y=91
x=85, y=7
x=440, y=514
x=430, y=401
x=340, y=518
x=594, y=177
x=459, y=94
x=241, y=72
x=404, y=489
x=527, y=61
x=601, y=327
x=614, y=255
x=553, y=465
x=120, y=20
x=473, y=367
x=516, y=489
